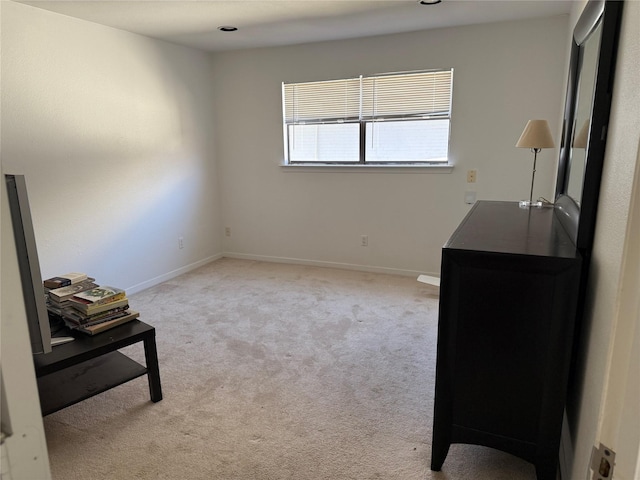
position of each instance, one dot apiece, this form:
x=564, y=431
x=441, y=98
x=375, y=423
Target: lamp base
x=528, y=204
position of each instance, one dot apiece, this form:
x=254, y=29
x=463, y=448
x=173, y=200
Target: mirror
x=586, y=118
x=587, y=67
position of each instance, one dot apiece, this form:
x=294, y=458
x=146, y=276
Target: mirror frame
x=579, y=219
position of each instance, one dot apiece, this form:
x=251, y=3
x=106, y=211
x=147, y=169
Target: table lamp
x=536, y=136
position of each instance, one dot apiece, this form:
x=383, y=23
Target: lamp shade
x=536, y=134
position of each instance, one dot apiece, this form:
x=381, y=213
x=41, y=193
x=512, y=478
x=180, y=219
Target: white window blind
x=322, y=101
x=402, y=95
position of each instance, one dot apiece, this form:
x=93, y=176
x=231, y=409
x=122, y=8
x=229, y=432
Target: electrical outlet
x=227, y=231
x=471, y=176
x=364, y=240
x=602, y=462
x=180, y=242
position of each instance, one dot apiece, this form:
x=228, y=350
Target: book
x=64, y=293
x=64, y=280
x=102, y=326
x=95, y=320
x=99, y=295
x=92, y=309
x=73, y=317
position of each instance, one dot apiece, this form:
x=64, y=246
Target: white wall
x=609, y=411
x=114, y=134
x=505, y=74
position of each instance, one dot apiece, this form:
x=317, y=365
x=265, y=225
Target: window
x=399, y=118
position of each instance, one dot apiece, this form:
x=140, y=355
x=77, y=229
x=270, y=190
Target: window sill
x=414, y=168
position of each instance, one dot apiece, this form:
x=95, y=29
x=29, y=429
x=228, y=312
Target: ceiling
x=263, y=23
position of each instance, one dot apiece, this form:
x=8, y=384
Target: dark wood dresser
x=509, y=290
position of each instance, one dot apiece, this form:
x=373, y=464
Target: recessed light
x=429, y=2
x=227, y=29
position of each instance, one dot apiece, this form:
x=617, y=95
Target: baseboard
x=174, y=273
x=265, y=258
x=317, y=263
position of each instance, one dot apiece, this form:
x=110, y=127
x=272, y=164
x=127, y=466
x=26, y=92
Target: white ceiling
x=262, y=23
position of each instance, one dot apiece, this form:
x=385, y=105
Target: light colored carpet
x=274, y=371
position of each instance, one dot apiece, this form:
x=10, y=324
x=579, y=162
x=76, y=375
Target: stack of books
x=85, y=306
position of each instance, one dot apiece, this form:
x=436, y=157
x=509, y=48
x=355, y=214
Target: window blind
x=322, y=101
x=425, y=94
x=413, y=94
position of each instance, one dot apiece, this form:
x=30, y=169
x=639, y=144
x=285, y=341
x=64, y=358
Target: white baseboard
x=168, y=276
x=265, y=258
x=317, y=263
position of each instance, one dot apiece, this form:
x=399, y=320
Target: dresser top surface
x=505, y=227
